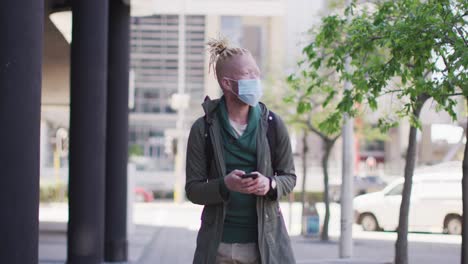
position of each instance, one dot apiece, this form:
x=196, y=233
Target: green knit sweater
x=240, y=224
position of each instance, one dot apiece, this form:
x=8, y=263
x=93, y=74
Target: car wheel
x=369, y=223
x=454, y=225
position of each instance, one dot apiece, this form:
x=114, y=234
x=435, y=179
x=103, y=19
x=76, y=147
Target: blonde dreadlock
x=220, y=50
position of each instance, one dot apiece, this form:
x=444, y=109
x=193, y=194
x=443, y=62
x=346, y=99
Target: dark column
x=21, y=34
x=87, y=131
x=117, y=133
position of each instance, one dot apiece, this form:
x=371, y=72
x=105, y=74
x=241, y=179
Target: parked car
x=435, y=205
x=362, y=185
x=143, y=195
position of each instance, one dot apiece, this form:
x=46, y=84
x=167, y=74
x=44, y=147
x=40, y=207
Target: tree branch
x=309, y=125
x=375, y=38
x=391, y=91
x=336, y=137
x=461, y=35
x=320, y=134
x=445, y=63
x=454, y=94
x=426, y=74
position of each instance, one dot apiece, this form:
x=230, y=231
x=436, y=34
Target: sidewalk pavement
x=172, y=245
x=53, y=242
x=166, y=233
x=175, y=245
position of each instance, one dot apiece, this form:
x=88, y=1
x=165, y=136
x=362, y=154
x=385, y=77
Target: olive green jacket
x=273, y=240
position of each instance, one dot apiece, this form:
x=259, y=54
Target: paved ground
x=166, y=233
x=52, y=243
x=177, y=245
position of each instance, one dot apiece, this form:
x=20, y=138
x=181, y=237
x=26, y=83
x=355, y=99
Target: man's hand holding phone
x=249, y=175
x=249, y=183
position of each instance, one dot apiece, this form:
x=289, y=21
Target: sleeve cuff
x=272, y=194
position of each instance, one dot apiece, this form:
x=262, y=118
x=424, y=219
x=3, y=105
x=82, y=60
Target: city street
x=166, y=233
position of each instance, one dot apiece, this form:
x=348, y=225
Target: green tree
x=410, y=49
x=135, y=150
x=277, y=89
x=305, y=122
x=307, y=117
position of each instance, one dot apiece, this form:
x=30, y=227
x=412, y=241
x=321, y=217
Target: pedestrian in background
x=239, y=164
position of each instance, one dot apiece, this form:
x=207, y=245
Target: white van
x=435, y=206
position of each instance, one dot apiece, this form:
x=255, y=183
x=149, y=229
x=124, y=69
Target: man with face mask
x=231, y=171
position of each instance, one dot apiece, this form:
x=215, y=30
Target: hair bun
x=216, y=46
x=219, y=49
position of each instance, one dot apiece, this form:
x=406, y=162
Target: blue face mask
x=250, y=90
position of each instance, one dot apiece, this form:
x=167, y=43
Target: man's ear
x=225, y=84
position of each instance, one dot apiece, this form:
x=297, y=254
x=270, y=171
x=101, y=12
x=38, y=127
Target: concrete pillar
x=87, y=131
x=117, y=133
x=21, y=31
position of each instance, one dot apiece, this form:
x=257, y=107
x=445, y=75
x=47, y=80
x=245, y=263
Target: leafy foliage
x=406, y=48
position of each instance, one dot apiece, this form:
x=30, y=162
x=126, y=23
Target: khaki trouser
x=238, y=254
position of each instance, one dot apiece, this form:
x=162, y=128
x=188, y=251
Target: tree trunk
x=326, y=198
x=464, y=251
x=305, y=149
x=401, y=246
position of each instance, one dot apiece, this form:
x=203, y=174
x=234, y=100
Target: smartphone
x=249, y=175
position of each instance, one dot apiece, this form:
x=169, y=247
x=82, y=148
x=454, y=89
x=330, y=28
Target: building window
x=154, y=59
x=148, y=140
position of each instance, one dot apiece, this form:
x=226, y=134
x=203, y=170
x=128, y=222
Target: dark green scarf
x=240, y=225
